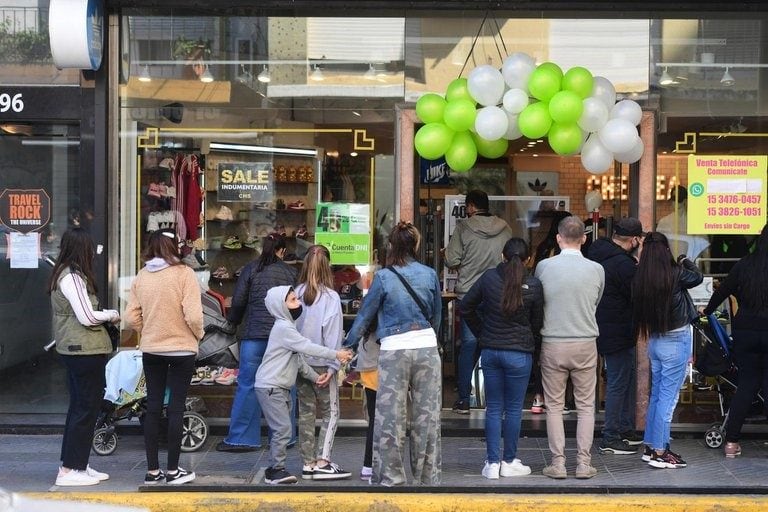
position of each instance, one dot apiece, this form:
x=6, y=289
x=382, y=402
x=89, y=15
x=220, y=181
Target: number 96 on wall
x=14, y=103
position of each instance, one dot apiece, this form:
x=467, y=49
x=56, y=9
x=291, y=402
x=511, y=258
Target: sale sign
x=726, y=194
x=25, y=210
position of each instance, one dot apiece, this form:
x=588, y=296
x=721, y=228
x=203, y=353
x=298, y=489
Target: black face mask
x=296, y=313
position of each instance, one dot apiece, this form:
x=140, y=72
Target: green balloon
x=462, y=154
x=564, y=139
x=544, y=82
x=534, y=121
x=580, y=81
x=490, y=148
x=552, y=67
x=460, y=115
x=566, y=107
x=433, y=140
x=458, y=90
x=430, y=108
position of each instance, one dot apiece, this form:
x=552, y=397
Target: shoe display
x=221, y=273
x=75, y=478
x=617, y=447
x=252, y=242
x=514, y=468
x=280, y=229
x=209, y=377
x=667, y=460
x=585, y=471
x=537, y=407
x=302, y=232
x=224, y=213
x=232, y=242
x=647, y=453
x=227, y=377
x=732, y=450
x=330, y=471
x=491, y=470
x=235, y=448
x=461, y=407
x=632, y=438
x=297, y=205
x=154, y=478
x=277, y=476
x=96, y=474
x=180, y=476
x=555, y=471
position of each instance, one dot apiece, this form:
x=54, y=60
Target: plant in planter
x=188, y=49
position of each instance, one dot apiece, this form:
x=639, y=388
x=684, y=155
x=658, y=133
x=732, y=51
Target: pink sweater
x=165, y=308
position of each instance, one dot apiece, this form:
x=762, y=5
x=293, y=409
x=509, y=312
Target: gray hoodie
x=283, y=358
x=476, y=246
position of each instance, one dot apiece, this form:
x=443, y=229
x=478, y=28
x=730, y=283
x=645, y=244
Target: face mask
x=296, y=313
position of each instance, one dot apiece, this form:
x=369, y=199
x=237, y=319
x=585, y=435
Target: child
x=277, y=373
x=321, y=322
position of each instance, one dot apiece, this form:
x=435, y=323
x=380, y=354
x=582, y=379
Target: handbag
x=114, y=334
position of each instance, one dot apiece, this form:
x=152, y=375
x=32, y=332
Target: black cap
x=628, y=226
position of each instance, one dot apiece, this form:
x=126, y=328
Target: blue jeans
x=466, y=361
x=619, y=394
x=245, y=418
x=505, y=374
x=669, y=354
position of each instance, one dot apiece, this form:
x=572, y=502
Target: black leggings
x=173, y=372
x=751, y=354
x=370, y=406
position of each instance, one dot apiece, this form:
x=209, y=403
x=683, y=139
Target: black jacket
x=250, y=292
x=683, y=310
x=614, y=312
x=481, y=309
x=750, y=315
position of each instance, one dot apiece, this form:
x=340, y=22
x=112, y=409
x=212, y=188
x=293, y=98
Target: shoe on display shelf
x=209, y=377
x=227, y=377
x=224, y=213
x=221, y=273
x=297, y=205
x=232, y=242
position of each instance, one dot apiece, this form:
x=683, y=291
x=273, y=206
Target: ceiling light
x=317, y=74
x=250, y=148
x=535, y=155
x=727, y=79
x=144, y=75
x=264, y=76
x=206, y=77
x=354, y=153
x=666, y=79
x=356, y=113
x=371, y=73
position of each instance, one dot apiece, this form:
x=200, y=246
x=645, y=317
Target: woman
x=663, y=311
x=164, y=307
x=84, y=346
x=505, y=310
x=321, y=322
x=406, y=325
x=258, y=276
x=748, y=282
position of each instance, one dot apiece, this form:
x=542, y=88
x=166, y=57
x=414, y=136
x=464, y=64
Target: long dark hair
x=163, y=244
x=404, y=241
x=653, y=286
x=515, y=253
x=273, y=243
x=76, y=252
x=755, y=289
x=316, y=273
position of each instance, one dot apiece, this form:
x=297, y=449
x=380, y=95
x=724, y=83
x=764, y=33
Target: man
x=573, y=286
x=475, y=246
x=616, y=343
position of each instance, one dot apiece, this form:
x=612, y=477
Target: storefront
x=288, y=121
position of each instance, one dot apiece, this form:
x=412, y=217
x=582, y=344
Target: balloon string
x=496, y=43
x=503, y=45
x=474, y=42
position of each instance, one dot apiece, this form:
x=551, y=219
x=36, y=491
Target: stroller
x=219, y=345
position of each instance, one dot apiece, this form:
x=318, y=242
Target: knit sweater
x=164, y=306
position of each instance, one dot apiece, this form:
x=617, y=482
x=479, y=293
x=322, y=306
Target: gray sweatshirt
x=283, y=359
x=323, y=323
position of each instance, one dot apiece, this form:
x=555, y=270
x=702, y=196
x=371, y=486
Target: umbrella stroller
x=219, y=345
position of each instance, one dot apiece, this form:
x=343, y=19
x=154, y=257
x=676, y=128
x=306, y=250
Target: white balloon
x=618, y=135
x=604, y=90
x=595, y=157
x=513, y=128
x=515, y=101
x=486, y=85
x=491, y=123
x=629, y=110
x=516, y=70
x=633, y=155
x=594, y=116
x=593, y=200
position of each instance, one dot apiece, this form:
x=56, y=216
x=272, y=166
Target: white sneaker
x=491, y=470
x=515, y=468
x=96, y=474
x=75, y=478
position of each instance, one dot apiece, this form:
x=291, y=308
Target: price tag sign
x=726, y=194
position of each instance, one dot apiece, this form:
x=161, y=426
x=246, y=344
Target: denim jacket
x=389, y=302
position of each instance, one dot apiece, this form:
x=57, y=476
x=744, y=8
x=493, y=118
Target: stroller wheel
x=194, y=433
x=104, y=441
x=714, y=437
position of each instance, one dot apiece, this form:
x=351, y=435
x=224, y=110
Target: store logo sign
x=25, y=210
x=76, y=32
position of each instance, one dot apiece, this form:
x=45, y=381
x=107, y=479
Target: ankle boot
x=732, y=450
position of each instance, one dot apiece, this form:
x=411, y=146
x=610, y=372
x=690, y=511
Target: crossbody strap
x=415, y=297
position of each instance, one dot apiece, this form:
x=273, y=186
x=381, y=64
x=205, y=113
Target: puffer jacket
x=481, y=309
x=614, y=312
x=250, y=292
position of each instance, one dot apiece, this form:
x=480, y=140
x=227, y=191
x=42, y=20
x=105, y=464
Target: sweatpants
x=276, y=407
x=312, y=398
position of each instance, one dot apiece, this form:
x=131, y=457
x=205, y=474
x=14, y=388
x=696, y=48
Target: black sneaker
x=330, y=471
x=632, y=438
x=667, y=460
x=181, y=476
x=461, y=407
x=223, y=446
x=617, y=447
x=275, y=476
x=157, y=478
x=647, y=453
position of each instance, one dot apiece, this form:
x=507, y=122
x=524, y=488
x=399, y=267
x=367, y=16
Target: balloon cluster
x=575, y=111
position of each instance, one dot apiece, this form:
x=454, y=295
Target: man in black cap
x=616, y=343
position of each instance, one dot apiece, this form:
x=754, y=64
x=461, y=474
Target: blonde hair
x=316, y=273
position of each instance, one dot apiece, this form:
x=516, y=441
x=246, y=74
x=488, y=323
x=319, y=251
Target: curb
x=392, y=502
